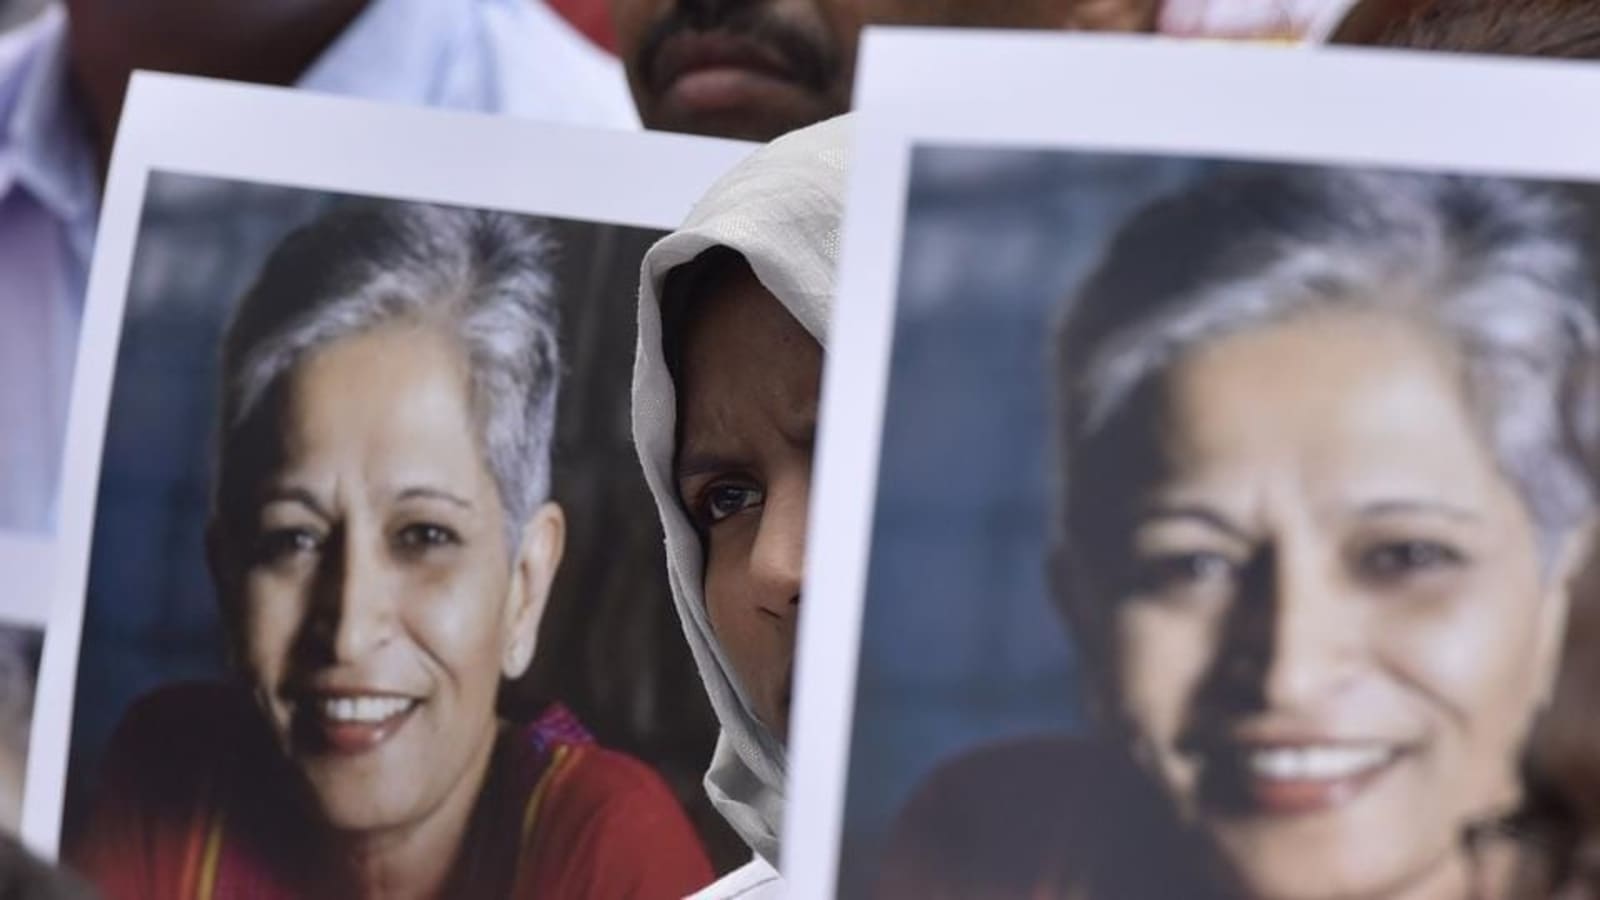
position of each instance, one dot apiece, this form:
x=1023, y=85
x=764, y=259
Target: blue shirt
x=508, y=56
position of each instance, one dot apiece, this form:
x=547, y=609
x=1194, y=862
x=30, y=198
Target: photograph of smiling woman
x=1324, y=490
x=382, y=544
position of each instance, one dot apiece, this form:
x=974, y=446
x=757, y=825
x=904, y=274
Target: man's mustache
x=807, y=55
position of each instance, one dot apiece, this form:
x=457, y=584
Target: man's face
x=748, y=411
x=756, y=69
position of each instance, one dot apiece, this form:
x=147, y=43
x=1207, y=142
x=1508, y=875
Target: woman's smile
x=349, y=724
x=1294, y=779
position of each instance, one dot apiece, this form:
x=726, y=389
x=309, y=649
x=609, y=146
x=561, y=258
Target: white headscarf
x=780, y=209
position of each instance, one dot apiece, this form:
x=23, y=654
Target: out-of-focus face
x=748, y=414
x=756, y=69
x=1251, y=19
x=750, y=69
x=374, y=601
x=1327, y=625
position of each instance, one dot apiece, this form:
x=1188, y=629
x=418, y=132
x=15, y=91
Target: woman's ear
x=544, y=539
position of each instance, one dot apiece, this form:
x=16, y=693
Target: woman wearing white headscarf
x=733, y=316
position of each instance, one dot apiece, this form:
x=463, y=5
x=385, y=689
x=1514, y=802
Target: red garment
x=1038, y=819
x=197, y=804
x=592, y=17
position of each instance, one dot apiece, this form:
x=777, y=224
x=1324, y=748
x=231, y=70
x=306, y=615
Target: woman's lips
x=1298, y=779
x=351, y=724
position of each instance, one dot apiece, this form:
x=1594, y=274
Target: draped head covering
x=781, y=210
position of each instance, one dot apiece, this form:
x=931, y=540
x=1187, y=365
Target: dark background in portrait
x=960, y=643
x=610, y=646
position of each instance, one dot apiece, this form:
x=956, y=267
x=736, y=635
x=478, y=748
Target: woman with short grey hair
x=1325, y=482
x=482, y=277
x=383, y=545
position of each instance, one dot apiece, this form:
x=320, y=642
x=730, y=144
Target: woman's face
x=1327, y=626
x=748, y=407
x=374, y=600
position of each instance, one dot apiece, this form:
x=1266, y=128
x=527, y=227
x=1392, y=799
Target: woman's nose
x=777, y=560
x=357, y=612
x=1307, y=633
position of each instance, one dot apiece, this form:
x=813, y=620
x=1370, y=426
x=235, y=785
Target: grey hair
x=482, y=277
x=1499, y=269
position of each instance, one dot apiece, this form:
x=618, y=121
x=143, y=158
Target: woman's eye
x=1399, y=558
x=1177, y=571
x=425, y=535
x=724, y=500
x=279, y=544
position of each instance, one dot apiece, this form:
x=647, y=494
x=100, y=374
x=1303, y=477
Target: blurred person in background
x=1552, y=29
x=1320, y=616
x=62, y=79
x=1272, y=20
x=382, y=545
x=756, y=69
x=15, y=12
x=733, y=324
x=592, y=17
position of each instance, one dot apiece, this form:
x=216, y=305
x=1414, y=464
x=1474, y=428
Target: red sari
x=196, y=805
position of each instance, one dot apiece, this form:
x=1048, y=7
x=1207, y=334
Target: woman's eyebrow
x=297, y=495
x=426, y=492
x=1192, y=513
x=693, y=463
x=1380, y=508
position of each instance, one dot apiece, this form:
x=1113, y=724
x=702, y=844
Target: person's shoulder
x=161, y=776
x=1023, y=774
x=218, y=705
x=21, y=50
x=548, y=69
x=598, y=777
x=598, y=823
x=177, y=726
x=575, y=772
x=21, y=43
x=994, y=819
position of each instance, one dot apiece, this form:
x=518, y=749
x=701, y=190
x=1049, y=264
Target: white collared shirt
x=508, y=56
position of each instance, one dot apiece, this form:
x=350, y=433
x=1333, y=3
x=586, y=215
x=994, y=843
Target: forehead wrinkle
x=390, y=443
x=1320, y=480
